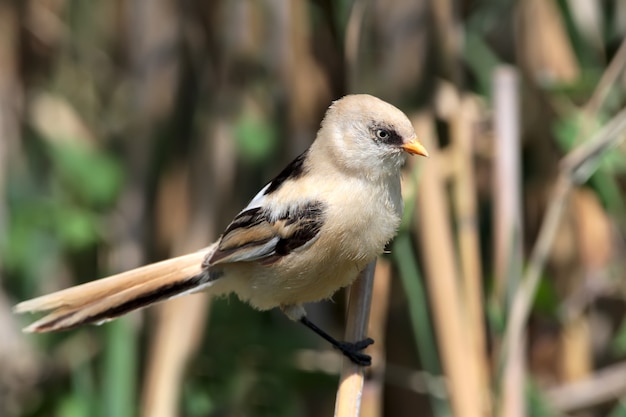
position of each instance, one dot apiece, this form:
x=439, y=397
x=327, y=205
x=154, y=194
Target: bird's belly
x=292, y=281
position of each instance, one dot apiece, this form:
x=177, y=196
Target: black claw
x=352, y=351
x=362, y=344
x=360, y=359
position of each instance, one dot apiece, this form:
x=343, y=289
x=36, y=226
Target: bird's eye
x=382, y=134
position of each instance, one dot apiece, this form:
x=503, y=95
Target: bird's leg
x=351, y=350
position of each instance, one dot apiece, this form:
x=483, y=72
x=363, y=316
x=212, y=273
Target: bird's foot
x=352, y=350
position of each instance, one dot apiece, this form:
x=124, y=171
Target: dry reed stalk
x=172, y=344
x=544, y=46
x=372, y=402
x=589, y=20
x=609, y=77
x=171, y=347
x=595, y=246
x=508, y=247
x=463, y=123
x=576, y=358
x=508, y=244
x=605, y=385
x=350, y=391
x=449, y=34
x=576, y=167
x=435, y=234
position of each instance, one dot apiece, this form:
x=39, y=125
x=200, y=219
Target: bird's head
x=366, y=135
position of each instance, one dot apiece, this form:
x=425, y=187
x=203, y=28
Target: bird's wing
x=259, y=234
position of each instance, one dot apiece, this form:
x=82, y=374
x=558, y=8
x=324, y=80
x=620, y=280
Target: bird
x=305, y=235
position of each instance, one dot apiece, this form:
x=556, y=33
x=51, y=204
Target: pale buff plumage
x=304, y=236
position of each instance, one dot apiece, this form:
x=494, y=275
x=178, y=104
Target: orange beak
x=415, y=148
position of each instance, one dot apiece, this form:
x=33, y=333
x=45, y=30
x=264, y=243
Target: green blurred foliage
x=547, y=299
x=568, y=131
x=56, y=205
x=256, y=138
x=537, y=404
x=94, y=178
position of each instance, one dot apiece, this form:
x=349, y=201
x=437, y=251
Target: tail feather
x=108, y=298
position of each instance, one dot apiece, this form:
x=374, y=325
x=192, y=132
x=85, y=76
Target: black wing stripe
x=255, y=228
x=292, y=171
x=306, y=221
x=247, y=219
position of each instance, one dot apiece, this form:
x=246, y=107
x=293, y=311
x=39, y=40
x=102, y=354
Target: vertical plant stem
x=610, y=75
x=576, y=167
x=443, y=283
x=350, y=392
x=372, y=401
x=507, y=184
x=508, y=250
x=420, y=317
x=467, y=228
x=448, y=31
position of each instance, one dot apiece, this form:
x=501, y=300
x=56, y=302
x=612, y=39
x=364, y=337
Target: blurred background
x=134, y=130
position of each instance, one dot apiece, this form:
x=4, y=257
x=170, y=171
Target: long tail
x=108, y=298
